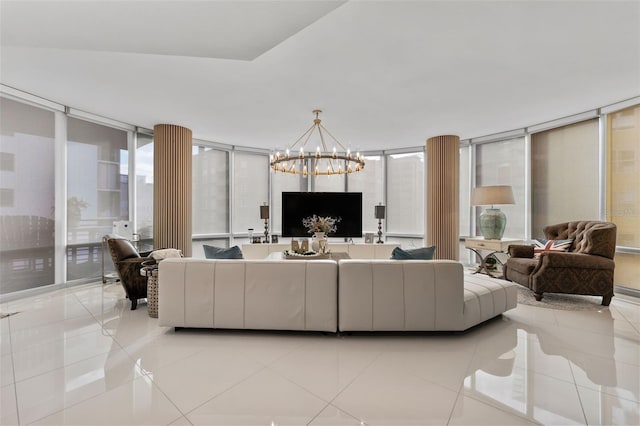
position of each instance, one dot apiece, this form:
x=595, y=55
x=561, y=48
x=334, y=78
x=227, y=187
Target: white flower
x=324, y=224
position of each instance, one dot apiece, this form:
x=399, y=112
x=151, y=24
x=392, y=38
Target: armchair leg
x=134, y=304
x=538, y=296
x=606, y=300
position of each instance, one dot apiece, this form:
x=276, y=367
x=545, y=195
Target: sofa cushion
x=212, y=252
x=423, y=253
x=541, y=246
x=162, y=254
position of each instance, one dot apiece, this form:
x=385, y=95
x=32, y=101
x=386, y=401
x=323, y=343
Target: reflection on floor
x=80, y=356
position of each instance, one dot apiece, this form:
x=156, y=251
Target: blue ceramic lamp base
x=492, y=224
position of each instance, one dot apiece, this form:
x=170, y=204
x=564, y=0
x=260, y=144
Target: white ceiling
x=387, y=74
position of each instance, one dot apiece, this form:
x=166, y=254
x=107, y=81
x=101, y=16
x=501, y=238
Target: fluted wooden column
x=443, y=189
x=172, y=187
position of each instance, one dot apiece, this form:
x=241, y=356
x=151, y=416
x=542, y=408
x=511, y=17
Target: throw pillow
x=423, y=253
x=541, y=245
x=161, y=254
x=212, y=252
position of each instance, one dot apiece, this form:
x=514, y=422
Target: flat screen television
x=299, y=205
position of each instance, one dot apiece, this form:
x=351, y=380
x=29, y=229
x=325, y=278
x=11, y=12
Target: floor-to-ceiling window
x=564, y=175
x=97, y=192
x=623, y=192
x=210, y=211
x=250, y=191
x=370, y=182
x=502, y=163
x=405, y=198
x=465, y=190
x=566, y=164
x=144, y=190
x=465, y=202
x=283, y=182
x=27, y=196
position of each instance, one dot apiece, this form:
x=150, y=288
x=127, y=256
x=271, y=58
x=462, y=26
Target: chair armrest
x=575, y=260
x=518, y=250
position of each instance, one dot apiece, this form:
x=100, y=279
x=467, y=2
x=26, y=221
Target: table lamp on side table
x=492, y=220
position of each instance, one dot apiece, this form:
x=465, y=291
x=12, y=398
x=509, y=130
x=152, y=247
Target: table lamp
x=264, y=214
x=379, y=213
x=492, y=220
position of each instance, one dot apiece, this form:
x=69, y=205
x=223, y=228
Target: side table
x=476, y=244
x=151, y=272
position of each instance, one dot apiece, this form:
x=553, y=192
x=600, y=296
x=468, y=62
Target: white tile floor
x=80, y=356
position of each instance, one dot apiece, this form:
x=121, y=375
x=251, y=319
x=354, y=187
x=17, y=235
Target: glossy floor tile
x=135, y=403
x=469, y=411
x=81, y=356
x=8, y=406
x=64, y=387
x=264, y=398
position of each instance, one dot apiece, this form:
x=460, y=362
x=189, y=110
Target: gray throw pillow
x=212, y=252
x=423, y=253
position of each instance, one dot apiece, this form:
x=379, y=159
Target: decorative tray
x=307, y=256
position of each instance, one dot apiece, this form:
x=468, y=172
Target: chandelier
x=321, y=162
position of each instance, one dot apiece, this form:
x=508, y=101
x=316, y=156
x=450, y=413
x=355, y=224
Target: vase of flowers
x=319, y=242
x=320, y=226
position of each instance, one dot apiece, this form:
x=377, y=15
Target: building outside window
x=27, y=197
x=97, y=192
x=144, y=190
x=370, y=182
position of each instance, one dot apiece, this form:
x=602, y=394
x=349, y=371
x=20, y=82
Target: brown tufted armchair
x=128, y=262
x=586, y=269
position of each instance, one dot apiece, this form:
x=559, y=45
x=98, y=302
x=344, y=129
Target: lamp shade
x=379, y=212
x=492, y=195
x=264, y=212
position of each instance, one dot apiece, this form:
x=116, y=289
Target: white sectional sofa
x=415, y=295
x=251, y=294
x=325, y=295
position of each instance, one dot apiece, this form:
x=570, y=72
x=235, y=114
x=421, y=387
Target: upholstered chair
x=128, y=263
x=587, y=268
